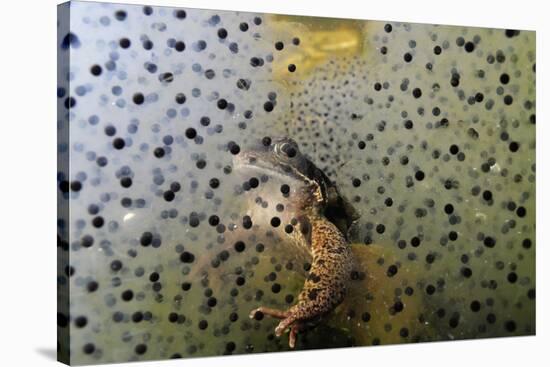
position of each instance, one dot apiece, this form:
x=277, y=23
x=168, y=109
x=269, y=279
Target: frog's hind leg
x=325, y=286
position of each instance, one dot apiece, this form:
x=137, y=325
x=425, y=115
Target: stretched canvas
x=232, y=182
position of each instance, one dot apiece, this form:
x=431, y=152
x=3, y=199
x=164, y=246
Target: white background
x=28, y=182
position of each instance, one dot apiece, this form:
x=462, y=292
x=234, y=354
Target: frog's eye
x=266, y=141
x=289, y=149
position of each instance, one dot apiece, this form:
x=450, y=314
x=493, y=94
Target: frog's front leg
x=325, y=286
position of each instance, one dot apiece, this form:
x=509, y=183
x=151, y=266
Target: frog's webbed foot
x=288, y=320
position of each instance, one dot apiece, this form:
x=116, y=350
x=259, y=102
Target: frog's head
x=281, y=159
x=275, y=157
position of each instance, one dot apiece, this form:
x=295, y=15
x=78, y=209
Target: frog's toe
x=294, y=330
x=258, y=313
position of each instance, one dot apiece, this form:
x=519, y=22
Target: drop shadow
x=49, y=353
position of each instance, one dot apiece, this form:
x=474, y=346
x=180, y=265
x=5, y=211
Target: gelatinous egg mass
x=168, y=238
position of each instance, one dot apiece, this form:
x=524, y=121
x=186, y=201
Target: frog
x=324, y=219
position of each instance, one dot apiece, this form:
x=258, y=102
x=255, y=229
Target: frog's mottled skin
x=324, y=217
